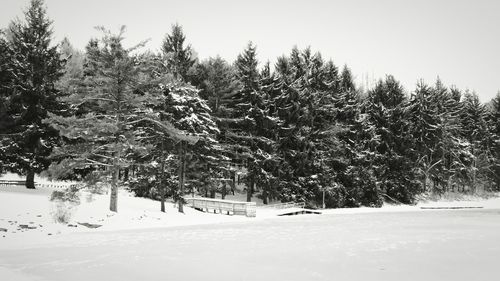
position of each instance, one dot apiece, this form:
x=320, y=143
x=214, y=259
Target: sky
x=457, y=40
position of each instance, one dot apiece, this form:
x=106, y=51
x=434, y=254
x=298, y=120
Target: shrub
x=64, y=204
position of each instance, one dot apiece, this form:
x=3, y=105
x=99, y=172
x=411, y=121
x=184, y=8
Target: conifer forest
x=166, y=124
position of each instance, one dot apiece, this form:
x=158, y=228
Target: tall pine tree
x=106, y=111
x=35, y=67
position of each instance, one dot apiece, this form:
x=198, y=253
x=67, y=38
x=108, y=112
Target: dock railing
x=222, y=206
x=285, y=205
x=7, y=183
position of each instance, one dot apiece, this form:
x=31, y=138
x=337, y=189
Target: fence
x=285, y=205
x=223, y=206
x=6, y=183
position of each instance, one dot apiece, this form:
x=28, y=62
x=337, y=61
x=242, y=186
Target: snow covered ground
x=430, y=245
x=140, y=242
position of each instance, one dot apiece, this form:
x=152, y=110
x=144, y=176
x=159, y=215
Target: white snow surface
x=141, y=243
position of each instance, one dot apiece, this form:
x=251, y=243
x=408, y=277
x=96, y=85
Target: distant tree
x=218, y=83
x=347, y=80
x=36, y=66
x=178, y=58
x=72, y=78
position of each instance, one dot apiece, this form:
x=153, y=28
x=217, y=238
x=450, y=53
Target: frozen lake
x=421, y=245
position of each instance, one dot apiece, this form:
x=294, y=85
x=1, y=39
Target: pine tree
x=243, y=132
x=73, y=69
x=474, y=129
x=6, y=120
x=451, y=147
x=494, y=130
x=36, y=66
x=188, y=112
x=178, y=58
x=102, y=133
x=386, y=107
x=218, y=83
x=346, y=80
x=425, y=131
x=358, y=141
x=303, y=103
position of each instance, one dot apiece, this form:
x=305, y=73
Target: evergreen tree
x=102, y=134
x=425, y=131
x=358, y=139
x=475, y=130
x=218, y=83
x=303, y=101
x=395, y=174
x=452, y=148
x=178, y=58
x=494, y=129
x=72, y=78
x=6, y=120
x=346, y=80
x=36, y=66
x=243, y=133
x=190, y=113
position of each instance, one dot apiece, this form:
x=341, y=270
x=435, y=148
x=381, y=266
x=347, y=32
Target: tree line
x=166, y=124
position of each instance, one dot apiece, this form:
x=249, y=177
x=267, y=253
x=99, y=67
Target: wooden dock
x=297, y=211
x=222, y=206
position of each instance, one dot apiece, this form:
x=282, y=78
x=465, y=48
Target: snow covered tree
x=358, y=139
x=494, y=129
x=188, y=112
x=452, y=148
x=395, y=174
x=6, y=120
x=303, y=102
x=247, y=128
x=101, y=130
x=474, y=129
x=35, y=67
x=425, y=131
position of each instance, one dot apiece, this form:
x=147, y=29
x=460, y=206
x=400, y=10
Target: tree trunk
x=182, y=167
x=425, y=183
x=162, y=174
x=224, y=191
x=30, y=180
x=233, y=181
x=264, y=196
x=113, y=199
x=126, y=174
x=250, y=190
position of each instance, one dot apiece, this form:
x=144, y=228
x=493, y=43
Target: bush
x=64, y=204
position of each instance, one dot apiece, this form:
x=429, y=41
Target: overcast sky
x=458, y=40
